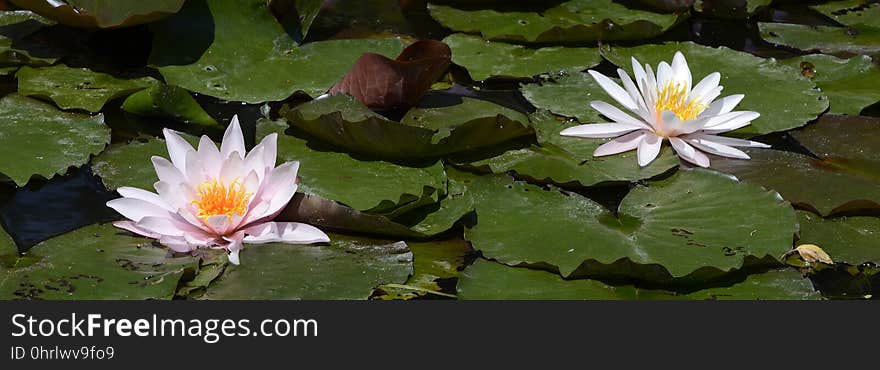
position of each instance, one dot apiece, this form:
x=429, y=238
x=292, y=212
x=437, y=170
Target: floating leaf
x=14, y=26
x=668, y=5
x=571, y=21
x=680, y=230
x=168, y=101
x=737, y=9
x=129, y=164
x=305, y=11
x=239, y=52
x=102, y=13
x=423, y=133
x=76, y=88
x=860, y=34
x=328, y=214
x=781, y=284
x=784, y=97
x=433, y=261
x=348, y=268
x=340, y=177
x=489, y=59
x=38, y=139
x=382, y=83
x=439, y=218
x=565, y=160
x=851, y=84
x=8, y=249
x=95, y=262
x=567, y=93
x=851, y=239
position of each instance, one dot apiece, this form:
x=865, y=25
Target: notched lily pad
x=851, y=239
x=16, y=25
x=347, y=268
x=569, y=22
x=95, y=262
x=423, y=133
x=168, y=101
x=101, y=13
x=785, y=98
x=129, y=164
x=38, y=139
x=77, y=88
x=434, y=262
x=851, y=84
x=490, y=59
x=680, y=231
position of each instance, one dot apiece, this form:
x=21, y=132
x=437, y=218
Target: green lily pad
x=433, y=261
x=571, y=21
x=168, y=101
x=17, y=25
x=76, y=88
x=844, y=180
x=860, y=34
x=784, y=97
x=103, y=13
x=436, y=219
x=8, y=249
x=95, y=262
x=736, y=9
x=489, y=280
x=569, y=160
x=348, y=268
x=484, y=59
x=567, y=92
x=329, y=214
x=340, y=177
x=244, y=54
x=129, y=164
x=851, y=84
x=851, y=239
x=423, y=133
x=680, y=230
x=38, y=139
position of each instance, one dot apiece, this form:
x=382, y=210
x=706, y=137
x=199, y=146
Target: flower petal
x=136, y=209
x=649, y=148
x=599, y=130
x=737, y=120
x=723, y=105
x=664, y=75
x=680, y=71
x=729, y=141
x=176, y=243
x=617, y=115
x=622, y=144
x=233, y=140
x=131, y=226
x=285, y=232
x=270, y=150
x=702, y=89
x=614, y=90
x=166, y=171
x=177, y=149
x=210, y=157
x=718, y=149
x=135, y=193
x=688, y=153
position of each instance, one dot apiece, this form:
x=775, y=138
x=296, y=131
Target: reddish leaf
x=381, y=83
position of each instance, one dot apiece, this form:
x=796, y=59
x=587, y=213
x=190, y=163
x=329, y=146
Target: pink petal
x=166, y=171
x=270, y=150
x=136, y=209
x=285, y=232
x=135, y=193
x=210, y=157
x=176, y=243
x=622, y=144
x=233, y=140
x=131, y=226
x=177, y=149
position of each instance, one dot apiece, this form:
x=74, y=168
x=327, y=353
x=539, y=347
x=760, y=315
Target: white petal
x=270, y=150
x=651, y=92
x=254, y=161
x=718, y=149
x=632, y=90
x=640, y=76
x=232, y=169
x=135, y=193
x=664, y=75
x=210, y=157
x=285, y=232
x=234, y=247
x=178, y=244
x=284, y=187
x=649, y=148
x=599, y=130
x=166, y=171
x=175, y=196
x=729, y=141
x=622, y=144
x=723, y=105
x=614, y=90
x=680, y=71
x=738, y=121
x=161, y=226
x=617, y=115
x=195, y=173
x=688, y=153
x=136, y=209
x=233, y=140
x=703, y=87
x=177, y=149
x=131, y=226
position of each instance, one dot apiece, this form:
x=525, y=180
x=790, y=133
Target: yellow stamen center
x=216, y=198
x=674, y=98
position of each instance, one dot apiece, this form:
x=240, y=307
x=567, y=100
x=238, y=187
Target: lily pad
x=328, y=214
x=844, y=180
x=423, y=133
x=129, y=164
x=851, y=84
x=103, y=13
x=784, y=97
x=243, y=54
x=340, y=177
x=95, y=262
x=77, y=88
x=14, y=26
x=348, y=268
x=571, y=21
x=680, y=230
x=489, y=280
x=568, y=160
x=489, y=59
x=736, y=9
x=38, y=139
x=850, y=239
x=860, y=34
x=566, y=92
x=433, y=261
x=8, y=249
x=168, y=101
x=436, y=219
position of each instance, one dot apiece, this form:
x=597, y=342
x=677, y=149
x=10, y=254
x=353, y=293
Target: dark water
x=45, y=208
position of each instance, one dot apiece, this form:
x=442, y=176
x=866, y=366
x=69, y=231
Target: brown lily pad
x=381, y=83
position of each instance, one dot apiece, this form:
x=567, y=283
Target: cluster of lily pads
x=461, y=195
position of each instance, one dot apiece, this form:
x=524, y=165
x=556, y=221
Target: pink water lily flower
x=668, y=107
x=210, y=198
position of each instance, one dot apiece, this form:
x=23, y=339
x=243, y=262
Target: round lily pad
x=571, y=21
x=77, y=88
x=680, y=230
x=782, y=95
x=38, y=139
x=850, y=84
x=347, y=268
x=129, y=164
x=101, y=13
x=852, y=239
x=235, y=50
x=490, y=59
x=95, y=262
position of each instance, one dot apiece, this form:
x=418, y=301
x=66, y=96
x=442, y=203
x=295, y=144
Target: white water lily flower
x=210, y=198
x=668, y=107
